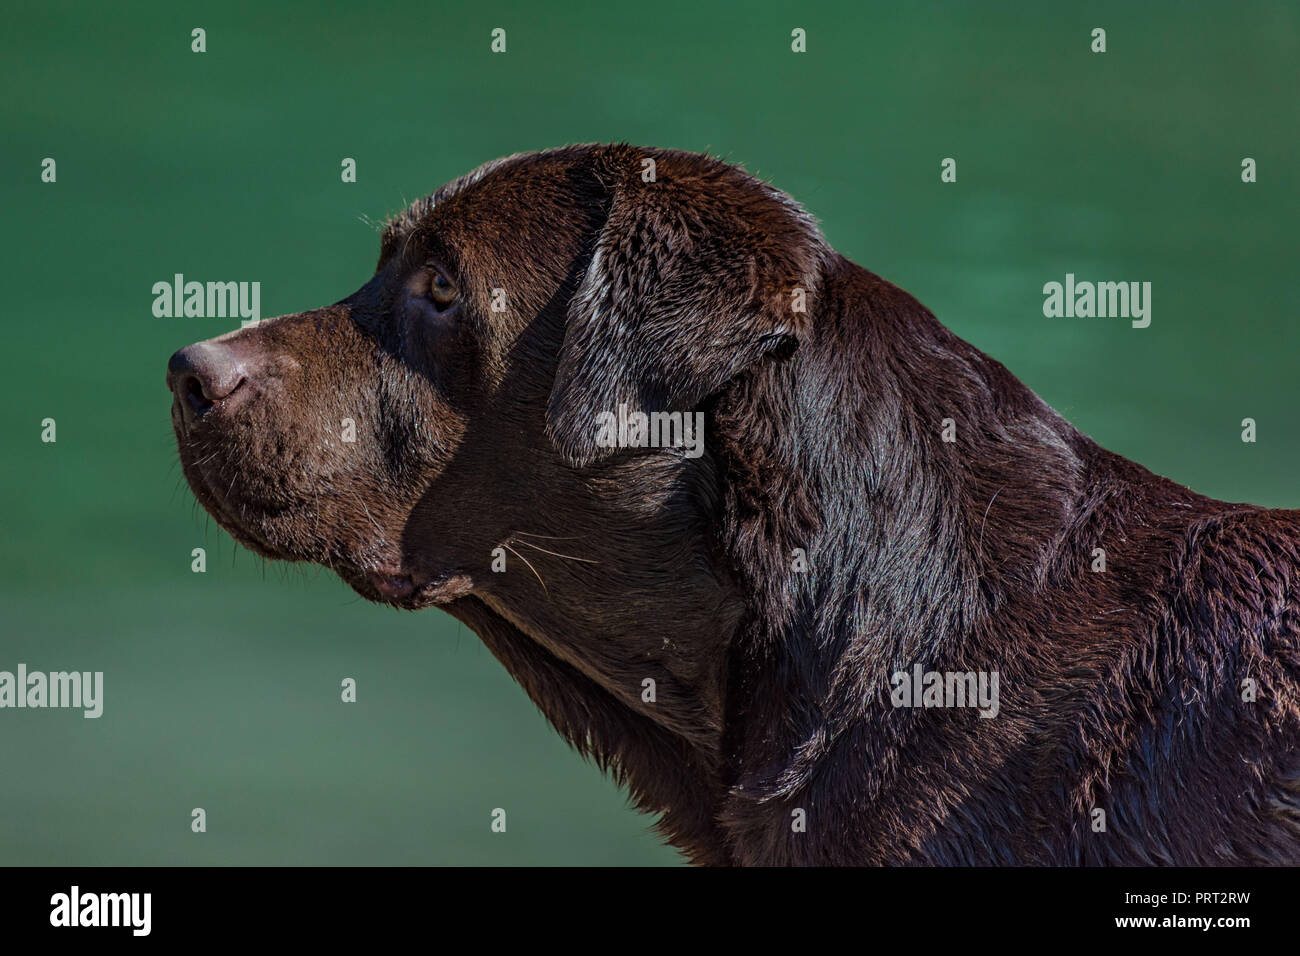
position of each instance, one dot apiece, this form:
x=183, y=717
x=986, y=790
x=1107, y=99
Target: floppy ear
x=695, y=277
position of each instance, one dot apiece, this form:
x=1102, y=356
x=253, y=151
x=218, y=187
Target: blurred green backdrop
x=222, y=689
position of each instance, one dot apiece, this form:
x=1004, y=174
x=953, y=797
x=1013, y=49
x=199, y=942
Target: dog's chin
x=281, y=532
x=393, y=584
x=240, y=520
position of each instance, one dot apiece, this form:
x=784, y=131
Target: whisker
x=530, y=566
x=558, y=555
x=551, y=537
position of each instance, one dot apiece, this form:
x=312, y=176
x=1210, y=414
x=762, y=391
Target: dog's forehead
x=420, y=212
x=497, y=173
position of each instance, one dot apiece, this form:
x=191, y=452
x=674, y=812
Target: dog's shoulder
x=1244, y=563
x=1238, y=612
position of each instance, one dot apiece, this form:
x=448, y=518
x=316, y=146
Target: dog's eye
x=442, y=291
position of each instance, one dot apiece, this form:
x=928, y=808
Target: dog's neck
x=850, y=574
x=911, y=463
x=912, y=486
x=627, y=655
x=625, y=584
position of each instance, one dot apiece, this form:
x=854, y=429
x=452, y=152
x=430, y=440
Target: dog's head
x=452, y=409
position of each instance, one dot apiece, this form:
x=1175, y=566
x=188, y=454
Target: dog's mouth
x=384, y=582
x=282, y=531
x=235, y=515
x=241, y=531
x=407, y=590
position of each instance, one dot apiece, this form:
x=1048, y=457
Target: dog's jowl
x=660, y=435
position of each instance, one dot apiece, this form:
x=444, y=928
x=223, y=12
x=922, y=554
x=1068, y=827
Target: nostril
x=192, y=391
x=204, y=374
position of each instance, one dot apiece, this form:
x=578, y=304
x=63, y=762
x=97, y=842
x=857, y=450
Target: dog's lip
x=205, y=490
x=394, y=587
x=388, y=580
x=411, y=591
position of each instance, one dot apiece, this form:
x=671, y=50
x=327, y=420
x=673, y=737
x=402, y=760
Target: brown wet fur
x=1120, y=690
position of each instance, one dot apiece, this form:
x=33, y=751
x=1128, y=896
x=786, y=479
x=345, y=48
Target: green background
x=222, y=689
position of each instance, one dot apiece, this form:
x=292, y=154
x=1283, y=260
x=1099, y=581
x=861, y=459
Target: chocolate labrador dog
x=818, y=581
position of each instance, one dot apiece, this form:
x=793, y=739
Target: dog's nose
x=203, y=374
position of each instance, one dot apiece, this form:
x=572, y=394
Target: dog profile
x=758, y=635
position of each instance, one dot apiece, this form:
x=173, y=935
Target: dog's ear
x=698, y=272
